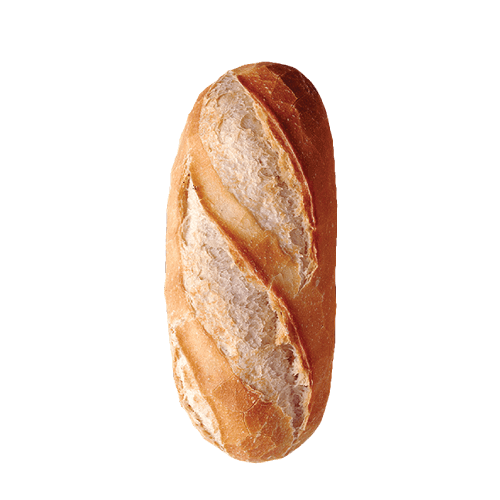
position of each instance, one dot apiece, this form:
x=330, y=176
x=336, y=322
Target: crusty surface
x=238, y=391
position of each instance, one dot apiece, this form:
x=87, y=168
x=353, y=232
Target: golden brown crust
x=252, y=429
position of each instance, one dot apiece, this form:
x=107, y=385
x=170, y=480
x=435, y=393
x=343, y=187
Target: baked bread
x=250, y=269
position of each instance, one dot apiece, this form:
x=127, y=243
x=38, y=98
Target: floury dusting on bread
x=250, y=285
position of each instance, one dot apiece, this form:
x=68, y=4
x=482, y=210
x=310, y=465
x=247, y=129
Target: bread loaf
x=250, y=269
